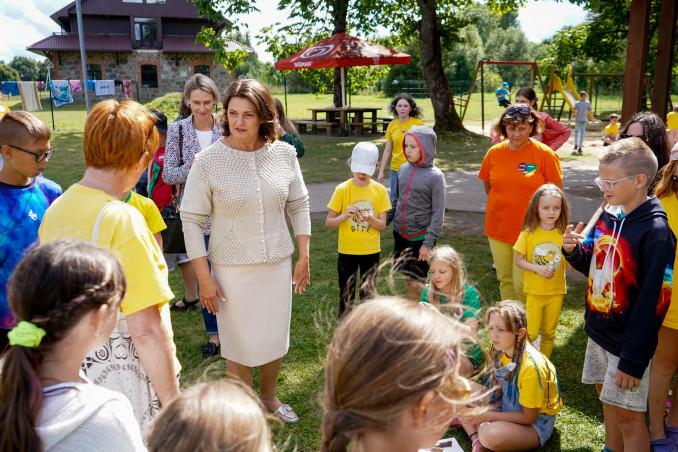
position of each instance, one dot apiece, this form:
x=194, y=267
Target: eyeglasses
x=626, y=135
x=519, y=112
x=608, y=184
x=39, y=156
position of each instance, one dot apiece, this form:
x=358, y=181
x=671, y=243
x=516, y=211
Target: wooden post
x=662, y=64
x=636, y=57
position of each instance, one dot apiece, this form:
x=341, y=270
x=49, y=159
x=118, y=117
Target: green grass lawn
x=579, y=426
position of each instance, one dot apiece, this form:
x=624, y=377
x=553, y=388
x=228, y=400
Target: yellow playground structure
x=568, y=95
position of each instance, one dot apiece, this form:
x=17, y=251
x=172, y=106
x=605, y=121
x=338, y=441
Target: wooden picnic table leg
x=374, y=121
x=342, y=121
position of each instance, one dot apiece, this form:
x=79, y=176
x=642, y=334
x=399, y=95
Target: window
x=149, y=76
x=145, y=32
x=201, y=69
x=94, y=72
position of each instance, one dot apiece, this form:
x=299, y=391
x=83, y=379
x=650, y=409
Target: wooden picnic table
x=349, y=117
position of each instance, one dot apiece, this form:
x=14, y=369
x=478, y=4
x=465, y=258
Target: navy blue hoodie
x=629, y=262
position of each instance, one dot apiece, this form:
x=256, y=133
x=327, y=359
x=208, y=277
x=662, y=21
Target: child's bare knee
x=626, y=418
x=489, y=434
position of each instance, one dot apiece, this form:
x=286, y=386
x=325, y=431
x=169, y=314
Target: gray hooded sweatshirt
x=419, y=202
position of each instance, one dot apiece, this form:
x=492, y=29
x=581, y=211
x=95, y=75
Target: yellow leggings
x=543, y=314
x=510, y=277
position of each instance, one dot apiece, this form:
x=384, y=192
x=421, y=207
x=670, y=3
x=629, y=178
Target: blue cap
x=505, y=84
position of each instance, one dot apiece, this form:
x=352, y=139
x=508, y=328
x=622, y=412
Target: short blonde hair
x=118, y=134
x=21, y=128
x=203, y=83
x=633, y=156
x=211, y=417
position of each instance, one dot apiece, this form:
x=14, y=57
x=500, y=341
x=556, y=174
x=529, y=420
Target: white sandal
x=286, y=414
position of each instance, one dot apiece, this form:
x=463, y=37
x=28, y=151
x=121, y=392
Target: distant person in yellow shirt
x=407, y=114
x=611, y=130
x=672, y=125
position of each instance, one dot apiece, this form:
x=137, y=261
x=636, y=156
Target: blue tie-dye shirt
x=21, y=211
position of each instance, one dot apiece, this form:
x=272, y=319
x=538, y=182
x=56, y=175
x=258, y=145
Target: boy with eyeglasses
x=628, y=256
x=24, y=196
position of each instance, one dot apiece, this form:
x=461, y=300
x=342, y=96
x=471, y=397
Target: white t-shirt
x=87, y=418
x=204, y=138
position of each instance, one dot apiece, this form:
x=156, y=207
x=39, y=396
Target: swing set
x=461, y=102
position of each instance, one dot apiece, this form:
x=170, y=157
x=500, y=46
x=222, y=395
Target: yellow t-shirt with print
x=395, y=132
x=356, y=237
x=123, y=231
x=148, y=210
x=537, y=382
x=672, y=120
x=612, y=129
x=542, y=247
x=670, y=204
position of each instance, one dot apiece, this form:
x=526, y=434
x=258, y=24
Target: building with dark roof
x=150, y=41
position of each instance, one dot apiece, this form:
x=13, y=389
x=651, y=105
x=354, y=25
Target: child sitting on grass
x=452, y=295
x=528, y=397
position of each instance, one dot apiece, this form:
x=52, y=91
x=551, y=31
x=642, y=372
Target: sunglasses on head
x=520, y=112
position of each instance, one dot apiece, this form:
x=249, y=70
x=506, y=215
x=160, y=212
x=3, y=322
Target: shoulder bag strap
x=175, y=196
x=97, y=223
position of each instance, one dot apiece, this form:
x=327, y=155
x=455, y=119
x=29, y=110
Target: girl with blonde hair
x=538, y=253
x=392, y=380
x=449, y=292
x=527, y=396
x=213, y=416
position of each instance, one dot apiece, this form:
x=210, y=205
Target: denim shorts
x=544, y=427
x=600, y=367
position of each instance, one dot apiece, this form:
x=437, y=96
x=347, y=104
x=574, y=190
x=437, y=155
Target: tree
x=436, y=22
x=7, y=73
x=28, y=68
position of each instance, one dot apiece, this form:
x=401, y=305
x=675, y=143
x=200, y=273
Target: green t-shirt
x=470, y=306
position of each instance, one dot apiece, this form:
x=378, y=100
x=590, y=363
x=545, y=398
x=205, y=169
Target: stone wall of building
x=172, y=68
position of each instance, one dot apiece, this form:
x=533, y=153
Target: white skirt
x=254, y=321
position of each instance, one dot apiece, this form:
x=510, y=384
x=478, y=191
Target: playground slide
x=568, y=92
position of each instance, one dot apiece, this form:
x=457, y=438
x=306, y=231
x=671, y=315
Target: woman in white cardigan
x=247, y=182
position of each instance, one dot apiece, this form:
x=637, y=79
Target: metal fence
x=70, y=116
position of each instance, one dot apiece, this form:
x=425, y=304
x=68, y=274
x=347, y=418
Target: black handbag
x=173, y=236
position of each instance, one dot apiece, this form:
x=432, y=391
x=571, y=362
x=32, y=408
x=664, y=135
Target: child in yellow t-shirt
x=406, y=115
x=672, y=125
x=358, y=208
x=527, y=398
x=150, y=212
x=611, y=130
x=538, y=254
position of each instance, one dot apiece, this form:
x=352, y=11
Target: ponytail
x=20, y=399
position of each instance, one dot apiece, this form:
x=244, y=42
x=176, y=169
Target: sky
x=23, y=22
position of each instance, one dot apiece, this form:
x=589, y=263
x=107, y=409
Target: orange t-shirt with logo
x=514, y=176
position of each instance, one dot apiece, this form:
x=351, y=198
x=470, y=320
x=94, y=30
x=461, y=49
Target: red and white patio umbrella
x=342, y=50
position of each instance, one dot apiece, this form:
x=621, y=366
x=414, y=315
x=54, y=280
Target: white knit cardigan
x=247, y=195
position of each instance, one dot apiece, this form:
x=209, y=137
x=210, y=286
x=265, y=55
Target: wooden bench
x=384, y=122
x=303, y=125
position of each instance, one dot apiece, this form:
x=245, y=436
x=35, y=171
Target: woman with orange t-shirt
x=511, y=171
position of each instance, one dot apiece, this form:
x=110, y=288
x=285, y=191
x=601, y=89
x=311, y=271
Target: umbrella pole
x=285, y=88
x=343, y=87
